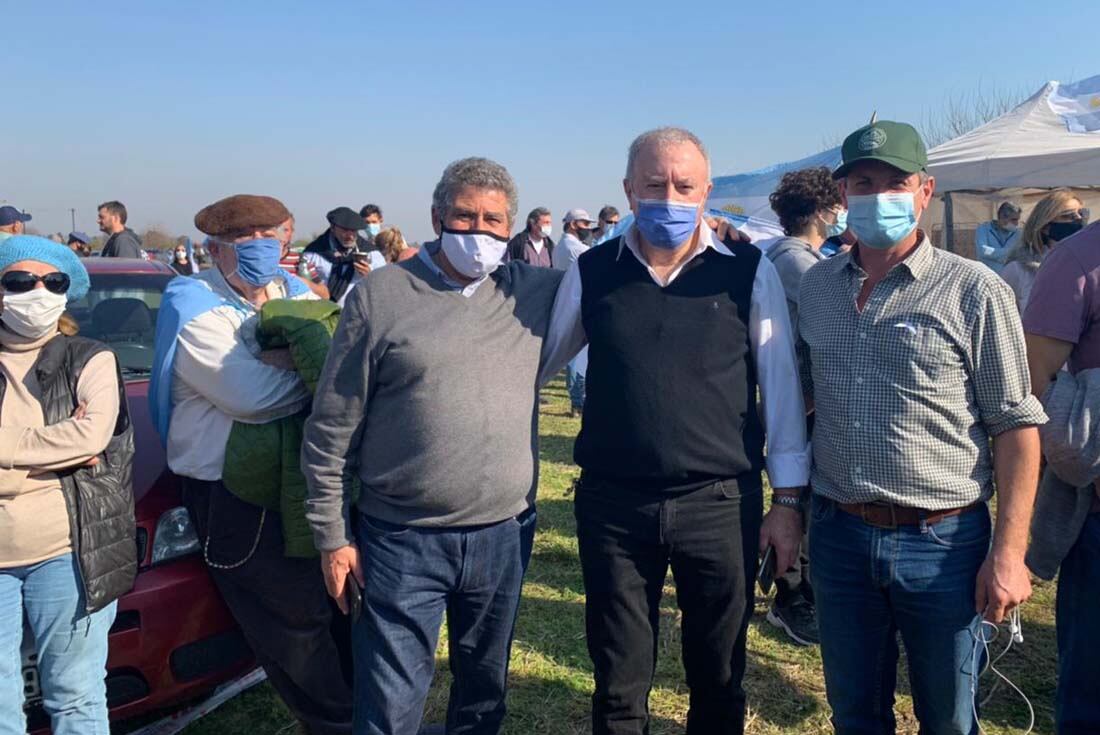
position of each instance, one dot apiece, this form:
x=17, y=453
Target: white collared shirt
x=772, y=342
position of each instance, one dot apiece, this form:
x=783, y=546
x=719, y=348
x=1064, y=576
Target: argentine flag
x=1078, y=104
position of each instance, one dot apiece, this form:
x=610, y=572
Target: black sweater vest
x=671, y=384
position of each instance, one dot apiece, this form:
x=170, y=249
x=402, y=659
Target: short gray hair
x=659, y=138
x=536, y=214
x=478, y=173
x=1008, y=209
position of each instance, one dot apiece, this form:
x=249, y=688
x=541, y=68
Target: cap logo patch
x=872, y=139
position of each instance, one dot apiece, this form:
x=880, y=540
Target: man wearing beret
x=914, y=360
x=341, y=255
x=208, y=373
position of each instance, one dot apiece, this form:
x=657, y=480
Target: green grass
x=551, y=678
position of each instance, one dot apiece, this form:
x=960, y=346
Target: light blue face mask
x=374, y=228
x=258, y=261
x=666, y=224
x=838, y=228
x=881, y=221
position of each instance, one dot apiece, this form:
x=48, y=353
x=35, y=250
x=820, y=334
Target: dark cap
x=347, y=218
x=241, y=213
x=893, y=143
x=10, y=215
x=81, y=237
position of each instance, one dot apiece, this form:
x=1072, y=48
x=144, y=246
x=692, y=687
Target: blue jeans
x=1077, y=705
x=71, y=646
x=574, y=384
x=413, y=577
x=871, y=584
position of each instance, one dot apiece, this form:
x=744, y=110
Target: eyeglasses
x=1071, y=215
x=24, y=281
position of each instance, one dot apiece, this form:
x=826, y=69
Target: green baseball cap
x=894, y=143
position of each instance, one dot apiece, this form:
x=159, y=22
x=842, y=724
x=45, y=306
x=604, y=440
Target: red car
x=173, y=639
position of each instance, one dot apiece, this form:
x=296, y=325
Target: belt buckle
x=893, y=523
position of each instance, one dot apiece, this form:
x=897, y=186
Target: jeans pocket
x=821, y=509
x=962, y=531
x=728, y=489
x=382, y=529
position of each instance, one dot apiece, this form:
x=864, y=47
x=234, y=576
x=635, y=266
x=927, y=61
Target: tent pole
x=948, y=223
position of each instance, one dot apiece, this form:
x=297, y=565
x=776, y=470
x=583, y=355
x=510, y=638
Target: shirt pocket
x=913, y=355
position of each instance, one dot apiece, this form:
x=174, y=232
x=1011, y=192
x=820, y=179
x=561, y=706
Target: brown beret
x=241, y=213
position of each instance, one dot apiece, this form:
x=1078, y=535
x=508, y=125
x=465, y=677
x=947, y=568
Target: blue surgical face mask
x=881, y=221
x=374, y=228
x=666, y=224
x=258, y=261
x=834, y=229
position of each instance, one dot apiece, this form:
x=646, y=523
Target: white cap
x=578, y=215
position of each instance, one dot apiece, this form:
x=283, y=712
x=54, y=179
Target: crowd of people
x=888, y=389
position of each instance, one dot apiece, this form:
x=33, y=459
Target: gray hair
x=478, y=173
x=659, y=138
x=1007, y=210
x=536, y=214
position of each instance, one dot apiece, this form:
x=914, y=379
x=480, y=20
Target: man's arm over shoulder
x=334, y=429
x=565, y=336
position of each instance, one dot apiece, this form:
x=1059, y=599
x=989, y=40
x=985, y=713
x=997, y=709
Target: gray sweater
x=431, y=397
x=792, y=258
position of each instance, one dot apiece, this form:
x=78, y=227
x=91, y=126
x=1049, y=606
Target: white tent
x=1050, y=140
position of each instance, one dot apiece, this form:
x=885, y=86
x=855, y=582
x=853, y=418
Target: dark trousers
x=414, y=576
x=628, y=539
x=279, y=602
x=1077, y=705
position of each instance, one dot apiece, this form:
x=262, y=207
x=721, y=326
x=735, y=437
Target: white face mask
x=546, y=230
x=33, y=314
x=473, y=253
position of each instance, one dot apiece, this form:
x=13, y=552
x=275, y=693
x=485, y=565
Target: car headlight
x=175, y=536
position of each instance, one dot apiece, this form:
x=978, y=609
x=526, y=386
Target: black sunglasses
x=23, y=281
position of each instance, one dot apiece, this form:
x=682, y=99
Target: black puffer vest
x=100, y=499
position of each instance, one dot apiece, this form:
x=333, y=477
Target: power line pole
x=72, y=212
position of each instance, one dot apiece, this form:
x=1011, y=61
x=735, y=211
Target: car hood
x=149, y=459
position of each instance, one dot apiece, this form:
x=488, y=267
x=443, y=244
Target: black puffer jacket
x=100, y=499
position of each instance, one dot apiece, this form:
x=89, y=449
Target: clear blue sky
x=170, y=106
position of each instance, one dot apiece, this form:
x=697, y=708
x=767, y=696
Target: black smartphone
x=354, y=597
x=766, y=577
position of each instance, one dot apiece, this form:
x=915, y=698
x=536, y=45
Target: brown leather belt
x=888, y=515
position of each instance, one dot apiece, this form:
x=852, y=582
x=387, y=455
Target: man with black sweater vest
x=683, y=328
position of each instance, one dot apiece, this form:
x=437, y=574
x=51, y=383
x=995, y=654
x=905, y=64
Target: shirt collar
x=706, y=240
x=917, y=264
x=429, y=250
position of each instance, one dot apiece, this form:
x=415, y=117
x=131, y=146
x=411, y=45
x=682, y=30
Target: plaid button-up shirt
x=909, y=391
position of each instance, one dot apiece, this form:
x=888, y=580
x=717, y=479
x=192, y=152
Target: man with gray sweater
x=429, y=397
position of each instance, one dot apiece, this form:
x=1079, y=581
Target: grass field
x=551, y=677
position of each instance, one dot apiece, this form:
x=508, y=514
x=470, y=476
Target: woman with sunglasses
x=1056, y=216
x=67, y=548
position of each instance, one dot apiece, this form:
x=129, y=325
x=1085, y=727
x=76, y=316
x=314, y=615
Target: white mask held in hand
x=33, y=314
x=473, y=253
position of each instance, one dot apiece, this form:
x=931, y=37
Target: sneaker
x=798, y=620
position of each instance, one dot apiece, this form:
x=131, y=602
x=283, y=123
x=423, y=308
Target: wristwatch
x=787, y=501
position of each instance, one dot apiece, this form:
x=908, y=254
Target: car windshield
x=121, y=310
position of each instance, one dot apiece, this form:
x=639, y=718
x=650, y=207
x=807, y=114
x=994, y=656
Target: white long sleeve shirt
x=772, y=343
x=218, y=378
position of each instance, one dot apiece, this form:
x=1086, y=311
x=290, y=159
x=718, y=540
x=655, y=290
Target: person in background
x=80, y=243
x=182, y=262
x=808, y=205
x=994, y=240
x=340, y=255
x=122, y=242
x=292, y=262
x=209, y=371
x=1062, y=328
x=445, y=349
x=533, y=246
x=372, y=215
x=682, y=328
x=202, y=258
x=67, y=529
x=1056, y=216
x=609, y=218
x=393, y=247
x=913, y=359
x=12, y=222
x=575, y=239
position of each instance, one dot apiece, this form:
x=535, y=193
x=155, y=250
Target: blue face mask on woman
x=666, y=224
x=258, y=261
x=881, y=221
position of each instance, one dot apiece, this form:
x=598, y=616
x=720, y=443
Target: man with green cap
x=914, y=360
